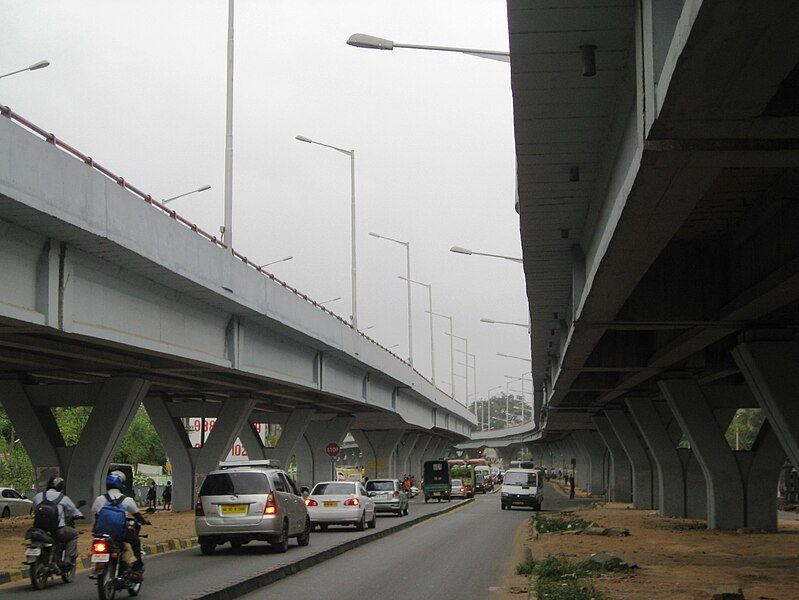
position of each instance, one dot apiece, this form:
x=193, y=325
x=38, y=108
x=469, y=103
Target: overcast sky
x=140, y=86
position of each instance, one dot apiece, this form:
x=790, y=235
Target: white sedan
x=340, y=503
x=13, y=504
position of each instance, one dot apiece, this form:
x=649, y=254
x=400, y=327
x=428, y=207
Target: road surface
x=460, y=555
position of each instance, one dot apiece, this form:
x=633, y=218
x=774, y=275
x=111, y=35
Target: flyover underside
x=672, y=280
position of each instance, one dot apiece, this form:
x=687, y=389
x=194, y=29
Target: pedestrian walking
x=152, y=495
x=166, y=496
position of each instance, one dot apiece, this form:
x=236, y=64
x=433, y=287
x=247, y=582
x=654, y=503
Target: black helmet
x=56, y=483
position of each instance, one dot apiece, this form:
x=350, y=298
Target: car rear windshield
x=457, y=483
x=520, y=479
x=333, y=489
x=379, y=486
x=221, y=484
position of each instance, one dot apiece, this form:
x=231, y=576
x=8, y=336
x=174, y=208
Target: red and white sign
x=199, y=430
x=332, y=449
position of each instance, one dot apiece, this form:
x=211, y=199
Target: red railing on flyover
x=90, y=162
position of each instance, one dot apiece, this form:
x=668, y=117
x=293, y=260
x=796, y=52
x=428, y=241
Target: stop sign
x=332, y=449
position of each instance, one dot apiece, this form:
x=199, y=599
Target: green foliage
x=71, y=421
x=745, y=426
x=548, y=589
x=561, y=522
x=16, y=469
x=141, y=443
x=526, y=568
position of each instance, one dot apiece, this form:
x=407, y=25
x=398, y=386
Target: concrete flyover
x=658, y=176
x=110, y=300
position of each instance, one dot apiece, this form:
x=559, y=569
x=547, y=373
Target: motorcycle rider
x=68, y=536
x=115, y=483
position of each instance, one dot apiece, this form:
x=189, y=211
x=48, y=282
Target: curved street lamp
x=199, y=189
x=34, y=67
x=362, y=40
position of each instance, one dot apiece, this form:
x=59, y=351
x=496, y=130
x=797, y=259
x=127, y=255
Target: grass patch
x=560, y=567
x=547, y=589
x=561, y=522
x=525, y=568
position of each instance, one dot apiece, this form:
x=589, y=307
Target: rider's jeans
x=69, y=537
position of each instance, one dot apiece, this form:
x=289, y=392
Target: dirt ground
x=677, y=558
x=165, y=526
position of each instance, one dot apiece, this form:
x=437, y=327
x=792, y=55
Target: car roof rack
x=245, y=464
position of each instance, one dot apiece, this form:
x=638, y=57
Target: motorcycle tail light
x=99, y=547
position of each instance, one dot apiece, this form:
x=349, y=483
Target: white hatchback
x=341, y=503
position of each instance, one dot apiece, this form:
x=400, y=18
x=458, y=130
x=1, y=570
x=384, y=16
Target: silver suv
x=245, y=501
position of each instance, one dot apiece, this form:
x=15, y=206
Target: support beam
x=594, y=452
x=378, y=449
x=620, y=477
x=418, y=454
x=770, y=369
x=643, y=476
x=251, y=441
x=291, y=433
x=404, y=450
x=235, y=412
x=671, y=475
x=313, y=465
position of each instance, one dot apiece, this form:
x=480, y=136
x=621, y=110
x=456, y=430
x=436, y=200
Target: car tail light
x=99, y=547
x=311, y=502
x=352, y=502
x=396, y=494
x=198, y=508
x=270, y=508
x=463, y=489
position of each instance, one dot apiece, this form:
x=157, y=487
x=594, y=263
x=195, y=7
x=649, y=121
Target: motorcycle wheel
x=39, y=575
x=106, y=587
x=69, y=576
x=134, y=589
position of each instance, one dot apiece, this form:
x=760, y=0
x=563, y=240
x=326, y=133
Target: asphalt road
x=455, y=556
x=189, y=574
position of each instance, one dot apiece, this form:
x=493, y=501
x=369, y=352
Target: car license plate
x=33, y=551
x=100, y=558
x=383, y=496
x=330, y=504
x=233, y=509
x=518, y=502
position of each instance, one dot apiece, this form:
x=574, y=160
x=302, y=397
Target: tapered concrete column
x=313, y=464
x=582, y=473
x=671, y=476
x=760, y=468
x=181, y=454
x=620, y=480
x=404, y=450
x=84, y=467
x=507, y=454
x=252, y=442
x=594, y=451
x=291, y=433
x=435, y=450
x=418, y=453
x=378, y=448
x=643, y=476
x=233, y=414
x=725, y=491
x=770, y=369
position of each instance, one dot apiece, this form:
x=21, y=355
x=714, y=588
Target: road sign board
x=332, y=449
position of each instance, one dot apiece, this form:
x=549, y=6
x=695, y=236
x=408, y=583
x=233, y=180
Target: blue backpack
x=111, y=518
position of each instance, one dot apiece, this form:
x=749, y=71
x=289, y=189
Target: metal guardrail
x=90, y=162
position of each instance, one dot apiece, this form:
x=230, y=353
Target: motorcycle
x=112, y=565
x=46, y=558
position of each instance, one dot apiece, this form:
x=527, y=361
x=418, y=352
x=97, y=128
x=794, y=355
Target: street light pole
x=199, y=189
x=353, y=263
x=451, y=335
x=362, y=40
x=429, y=287
x=462, y=250
x=451, y=352
x=488, y=394
x=34, y=67
x=227, y=232
x=408, y=280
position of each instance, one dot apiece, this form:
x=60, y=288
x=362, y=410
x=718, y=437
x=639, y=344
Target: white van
x=522, y=487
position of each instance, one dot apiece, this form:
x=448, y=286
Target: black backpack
x=45, y=515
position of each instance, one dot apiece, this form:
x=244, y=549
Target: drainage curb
x=263, y=579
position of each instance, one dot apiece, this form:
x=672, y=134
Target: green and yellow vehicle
x=437, y=481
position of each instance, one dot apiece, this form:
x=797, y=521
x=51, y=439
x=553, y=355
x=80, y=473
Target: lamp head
x=373, y=234
x=484, y=320
x=39, y=65
x=302, y=138
x=460, y=250
x=361, y=40
x=203, y=188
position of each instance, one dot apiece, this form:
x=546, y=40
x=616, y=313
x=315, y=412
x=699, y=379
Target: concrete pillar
x=403, y=452
x=436, y=448
x=191, y=465
x=252, y=442
x=663, y=449
x=84, y=467
x=291, y=433
x=573, y=450
x=643, y=476
x=725, y=491
x=418, y=453
x=620, y=478
x=313, y=464
x=770, y=369
x=594, y=452
x=507, y=454
x=378, y=449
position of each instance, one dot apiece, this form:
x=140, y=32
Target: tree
x=141, y=443
x=745, y=426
